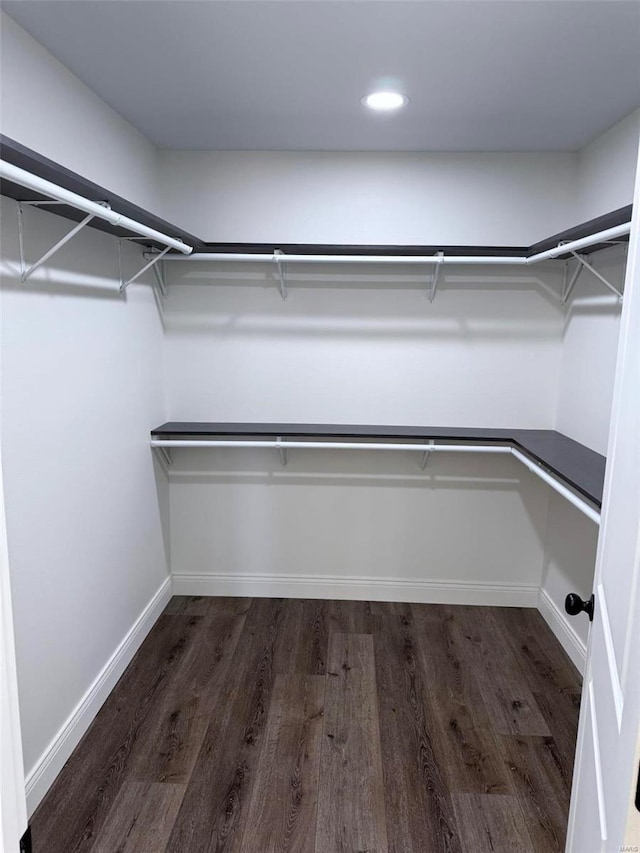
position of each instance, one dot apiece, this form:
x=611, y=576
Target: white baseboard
x=357, y=589
x=42, y=775
x=563, y=629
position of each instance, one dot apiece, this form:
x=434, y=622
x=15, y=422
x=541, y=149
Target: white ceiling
x=482, y=76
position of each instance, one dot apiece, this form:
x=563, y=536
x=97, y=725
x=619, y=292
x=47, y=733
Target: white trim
x=597, y=760
x=13, y=806
x=612, y=663
x=42, y=775
x=563, y=630
x=357, y=589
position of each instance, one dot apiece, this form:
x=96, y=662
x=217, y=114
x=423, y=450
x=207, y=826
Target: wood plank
x=464, y=743
x=562, y=711
x=543, y=662
x=188, y=605
x=553, y=679
x=201, y=605
x=351, y=810
x=419, y=812
x=176, y=726
x=543, y=790
x=285, y=650
x=87, y=786
x=221, y=782
x=219, y=706
x=282, y=814
x=491, y=823
x=313, y=648
x=508, y=699
x=140, y=819
x=351, y=617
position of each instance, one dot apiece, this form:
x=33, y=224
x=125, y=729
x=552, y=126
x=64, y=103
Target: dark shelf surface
x=580, y=467
x=25, y=158
x=584, y=229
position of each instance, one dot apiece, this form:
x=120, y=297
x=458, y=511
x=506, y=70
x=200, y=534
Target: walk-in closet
x=320, y=418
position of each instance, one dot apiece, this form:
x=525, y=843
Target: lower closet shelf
x=573, y=470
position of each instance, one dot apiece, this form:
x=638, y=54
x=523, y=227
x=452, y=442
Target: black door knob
x=573, y=604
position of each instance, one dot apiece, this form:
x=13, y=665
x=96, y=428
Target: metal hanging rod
x=329, y=445
x=26, y=179
x=557, y=486
x=280, y=257
x=605, y=236
x=282, y=446
x=437, y=260
x=349, y=259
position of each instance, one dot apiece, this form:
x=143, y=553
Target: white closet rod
x=566, y=248
x=329, y=445
x=555, y=484
x=43, y=187
x=583, y=243
x=584, y=507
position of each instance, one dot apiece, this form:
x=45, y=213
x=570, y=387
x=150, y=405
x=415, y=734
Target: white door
x=603, y=816
x=13, y=804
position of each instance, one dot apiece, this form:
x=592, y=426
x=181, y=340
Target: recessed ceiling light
x=385, y=101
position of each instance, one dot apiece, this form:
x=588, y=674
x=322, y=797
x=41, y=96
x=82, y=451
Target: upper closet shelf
x=34, y=180
x=409, y=254
x=72, y=190
x=95, y=210
x=561, y=248
x=570, y=468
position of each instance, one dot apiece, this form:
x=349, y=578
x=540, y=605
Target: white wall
x=81, y=387
x=607, y=168
x=346, y=197
x=585, y=390
x=362, y=525
x=359, y=347
x=589, y=348
x=363, y=347
x=47, y=108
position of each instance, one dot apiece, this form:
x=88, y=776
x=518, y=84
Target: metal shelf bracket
x=598, y=275
x=278, y=257
x=165, y=457
x=151, y=264
x=436, y=276
x=283, y=451
x=26, y=271
x=425, y=456
x=161, y=279
x=570, y=283
x=582, y=264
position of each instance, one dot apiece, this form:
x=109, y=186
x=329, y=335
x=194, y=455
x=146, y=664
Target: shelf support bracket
x=165, y=457
x=598, y=275
x=283, y=451
x=160, y=274
x=154, y=260
x=571, y=283
x=278, y=257
x=26, y=271
x=436, y=276
x=425, y=456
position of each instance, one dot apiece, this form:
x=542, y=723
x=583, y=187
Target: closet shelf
x=571, y=468
x=130, y=221
x=613, y=226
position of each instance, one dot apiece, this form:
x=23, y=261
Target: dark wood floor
x=264, y=725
